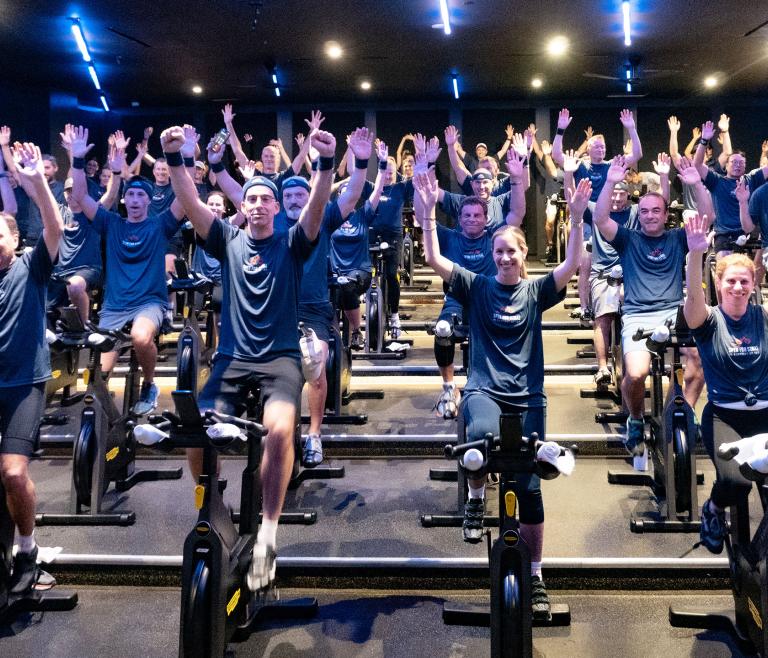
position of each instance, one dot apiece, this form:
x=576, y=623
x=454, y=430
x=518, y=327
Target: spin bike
x=216, y=605
x=510, y=616
x=672, y=443
x=104, y=450
x=743, y=244
x=408, y=256
x=747, y=557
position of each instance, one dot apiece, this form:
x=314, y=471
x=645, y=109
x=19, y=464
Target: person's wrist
x=189, y=161
x=326, y=163
x=382, y=165
x=217, y=167
x=704, y=141
x=361, y=163
x=560, y=131
x=78, y=163
x=174, y=159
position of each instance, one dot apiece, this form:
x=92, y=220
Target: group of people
x=271, y=257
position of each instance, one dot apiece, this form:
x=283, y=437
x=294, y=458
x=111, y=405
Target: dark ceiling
x=153, y=52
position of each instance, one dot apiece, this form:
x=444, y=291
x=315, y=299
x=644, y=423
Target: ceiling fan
x=631, y=77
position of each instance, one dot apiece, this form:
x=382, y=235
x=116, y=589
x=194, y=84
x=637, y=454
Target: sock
x=536, y=569
x=448, y=386
x=395, y=317
x=477, y=493
x=27, y=544
x=267, y=533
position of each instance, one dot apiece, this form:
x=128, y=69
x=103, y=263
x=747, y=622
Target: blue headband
x=260, y=180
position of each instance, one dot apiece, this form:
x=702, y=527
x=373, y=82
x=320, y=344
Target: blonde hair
x=519, y=237
x=738, y=260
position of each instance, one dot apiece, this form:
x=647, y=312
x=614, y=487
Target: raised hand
x=661, y=164
x=214, y=157
x=742, y=190
x=696, y=234
x=5, y=135
x=688, y=173
x=588, y=133
x=579, y=198
x=433, y=149
x=66, y=137
x=324, y=142
x=29, y=160
x=427, y=189
x=116, y=158
x=519, y=145
x=509, y=131
x=79, y=142
x=617, y=171
x=190, y=141
x=148, y=132
x=528, y=135
x=451, y=135
x=361, y=143
x=695, y=132
x=120, y=141
x=674, y=124
x=570, y=161
x=724, y=123
x=249, y=170
x=247, y=137
x=515, y=162
x=546, y=147
x=420, y=143
x=315, y=121
x=172, y=139
x=627, y=119
x=628, y=147
x=564, y=119
x=228, y=114
x=300, y=140
x=707, y=130
x=382, y=151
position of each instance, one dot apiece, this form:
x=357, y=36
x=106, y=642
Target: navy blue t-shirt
x=653, y=269
x=723, y=190
x=758, y=211
x=29, y=218
x=604, y=256
x=278, y=177
x=506, y=346
x=734, y=354
x=501, y=185
x=597, y=174
x=24, y=356
x=162, y=198
x=498, y=207
x=260, y=291
x=135, y=253
x=349, y=242
x=80, y=246
x=388, y=220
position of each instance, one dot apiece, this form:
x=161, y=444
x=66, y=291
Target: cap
x=482, y=174
x=483, y=144
x=199, y=164
x=68, y=184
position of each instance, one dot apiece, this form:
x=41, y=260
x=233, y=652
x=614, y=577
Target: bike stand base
x=585, y=354
x=611, y=417
x=577, y=340
x=48, y=601
x=304, y=608
x=444, y=474
x=714, y=621
x=640, y=479
x=364, y=395
x=453, y=521
x=148, y=476
x=379, y=356
x=99, y=518
x=600, y=394
x=648, y=526
x=319, y=473
x=288, y=518
x=456, y=614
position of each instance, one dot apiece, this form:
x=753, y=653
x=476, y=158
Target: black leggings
x=391, y=273
x=21, y=408
x=720, y=426
x=480, y=415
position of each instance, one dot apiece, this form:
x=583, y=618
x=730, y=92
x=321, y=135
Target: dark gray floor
x=143, y=623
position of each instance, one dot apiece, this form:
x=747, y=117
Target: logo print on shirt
x=657, y=255
x=742, y=347
x=347, y=228
x=473, y=254
x=132, y=241
x=71, y=226
x=507, y=314
x=254, y=265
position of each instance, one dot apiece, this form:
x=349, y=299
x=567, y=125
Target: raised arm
x=459, y=168
x=231, y=188
x=570, y=165
x=425, y=187
x=5, y=146
x=563, y=121
x=278, y=144
x=517, y=172
x=695, y=137
x=234, y=142
x=674, y=150
x=382, y=154
x=314, y=122
x=80, y=147
x=588, y=132
x=661, y=167
x=509, y=132
x=628, y=121
x=601, y=215
x=116, y=163
x=6, y=192
x=724, y=126
x=30, y=167
x=312, y=215
x=360, y=146
x=707, y=132
x=577, y=204
x=695, y=308
x=202, y=217
x=400, y=148
x=742, y=196
x=689, y=176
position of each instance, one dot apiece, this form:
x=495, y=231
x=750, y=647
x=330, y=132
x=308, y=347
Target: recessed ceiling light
x=557, y=46
x=710, y=82
x=536, y=83
x=365, y=85
x=333, y=50
x=197, y=89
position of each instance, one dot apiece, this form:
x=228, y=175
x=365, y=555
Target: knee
x=142, y=337
x=281, y=433
x=76, y=287
x=15, y=477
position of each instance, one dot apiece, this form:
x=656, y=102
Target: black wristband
x=117, y=173
x=361, y=163
x=382, y=165
x=216, y=167
x=525, y=161
x=560, y=131
x=430, y=164
x=78, y=163
x=703, y=142
x=326, y=163
x=174, y=159
x=189, y=162
x=314, y=165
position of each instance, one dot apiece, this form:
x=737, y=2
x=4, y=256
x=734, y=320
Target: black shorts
x=232, y=379
x=21, y=408
x=349, y=294
x=57, y=290
x=319, y=317
x=724, y=241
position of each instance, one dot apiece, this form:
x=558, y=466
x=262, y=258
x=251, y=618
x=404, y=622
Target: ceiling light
x=94, y=77
x=629, y=87
x=536, y=83
x=77, y=30
x=557, y=46
x=627, y=26
x=197, y=89
x=365, y=85
x=455, y=87
x=104, y=103
x=445, y=16
x=333, y=50
x=710, y=82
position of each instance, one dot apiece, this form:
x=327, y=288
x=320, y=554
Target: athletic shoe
x=587, y=318
x=147, y=399
x=602, y=377
x=25, y=572
x=447, y=404
x=312, y=455
x=261, y=572
x=712, y=531
x=472, y=528
x=634, y=441
x=549, y=255
x=539, y=599
x=45, y=581
x=356, y=340
x=394, y=327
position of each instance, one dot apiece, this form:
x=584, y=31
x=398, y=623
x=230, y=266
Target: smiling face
x=652, y=213
x=407, y=167
x=596, y=148
x=472, y=220
x=619, y=200
x=91, y=167
x=482, y=187
x=215, y=202
x=259, y=208
x=736, y=165
x=509, y=256
x=735, y=279
x=161, y=172
x=269, y=159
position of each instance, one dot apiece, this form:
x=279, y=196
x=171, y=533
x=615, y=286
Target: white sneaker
x=261, y=573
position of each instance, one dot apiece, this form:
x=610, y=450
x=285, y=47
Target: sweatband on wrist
x=382, y=165
x=703, y=142
x=326, y=163
x=174, y=159
x=189, y=162
x=314, y=165
x=78, y=163
x=216, y=167
x=361, y=163
x=117, y=173
x=560, y=131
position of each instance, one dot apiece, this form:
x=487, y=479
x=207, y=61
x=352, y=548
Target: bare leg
x=143, y=337
x=19, y=491
x=637, y=365
x=277, y=457
x=693, y=377
x=602, y=338
x=316, y=393
x=77, y=289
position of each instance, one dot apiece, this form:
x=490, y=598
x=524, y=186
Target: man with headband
x=135, y=287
